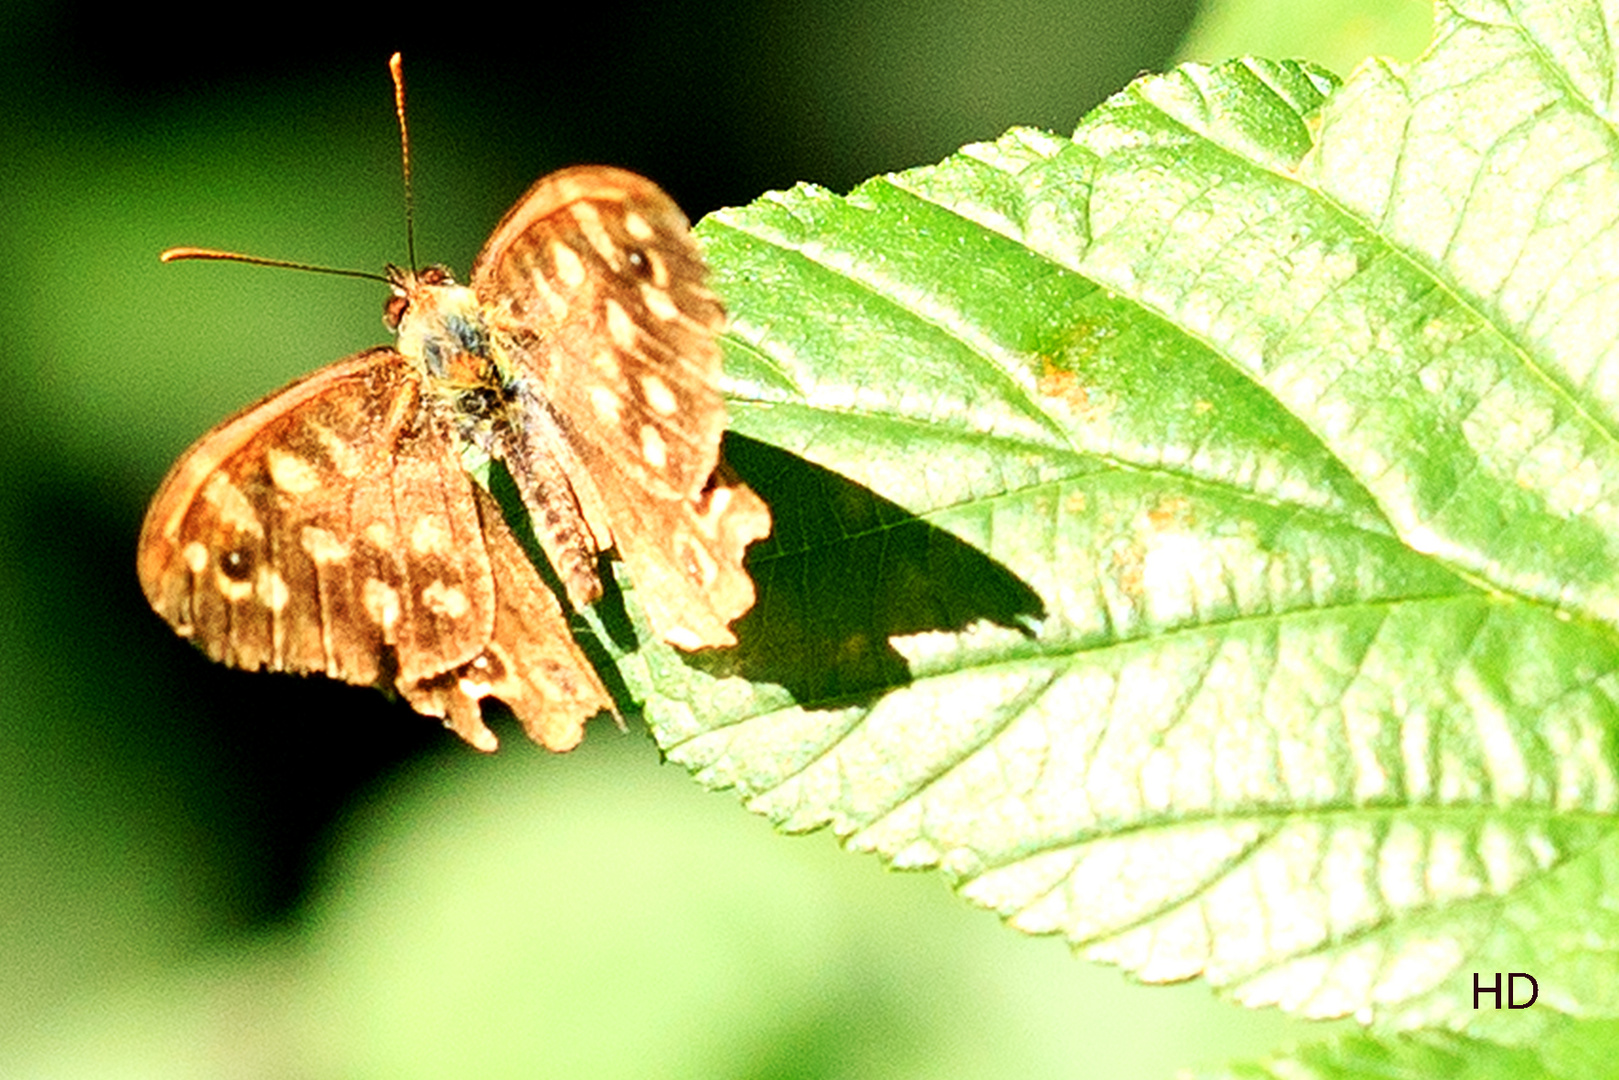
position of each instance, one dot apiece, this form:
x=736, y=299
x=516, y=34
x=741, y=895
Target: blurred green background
x=209, y=873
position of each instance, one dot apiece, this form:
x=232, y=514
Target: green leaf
x=1199, y=538
x=1580, y=1051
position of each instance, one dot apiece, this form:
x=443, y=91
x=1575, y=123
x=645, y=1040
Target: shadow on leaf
x=843, y=571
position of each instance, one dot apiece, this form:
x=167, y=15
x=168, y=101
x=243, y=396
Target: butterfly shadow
x=843, y=572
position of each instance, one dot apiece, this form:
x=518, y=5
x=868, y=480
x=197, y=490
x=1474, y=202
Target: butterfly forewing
x=594, y=293
x=331, y=529
x=594, y=282
x=262, y=510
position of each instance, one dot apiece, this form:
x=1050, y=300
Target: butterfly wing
x=595, y=292
x=331, y=529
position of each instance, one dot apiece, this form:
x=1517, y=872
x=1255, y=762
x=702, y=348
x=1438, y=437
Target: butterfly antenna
x=396, y=67
x=179, y=253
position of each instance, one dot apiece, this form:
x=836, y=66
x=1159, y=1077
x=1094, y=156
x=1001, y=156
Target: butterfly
x=333, y=528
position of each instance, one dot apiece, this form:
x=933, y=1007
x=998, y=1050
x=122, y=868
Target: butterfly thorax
x=442, y=332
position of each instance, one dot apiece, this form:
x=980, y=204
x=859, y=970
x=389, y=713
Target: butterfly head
x=439, y=324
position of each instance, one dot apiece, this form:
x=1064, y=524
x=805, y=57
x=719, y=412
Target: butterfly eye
x=237, y=564
x=393, y=311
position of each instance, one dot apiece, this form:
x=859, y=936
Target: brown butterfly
x=331, y=527
x=584, y=354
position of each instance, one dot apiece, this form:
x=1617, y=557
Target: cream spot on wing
x=429, y=536
x=718, y=500
x=235, y=512
x=478, y=688
x=290, y=472
x=620, y=327
x=699, y=563
x=590, y=223
x=233, y=591
x=683, y=638
x=380, y=535
x=345, y=459
x=445, y=600
x=659, y=398
x=606, y=361
x=195, y=556
x=605, y=402
x=557, y=306
x=566, y=260
x=653, y=448
x=637, y=226
x=381, y=602
x=323, y=545
x=475, y=690
x=554, y=302
x=658, y=269
x=272, y=589
x=658, y=302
